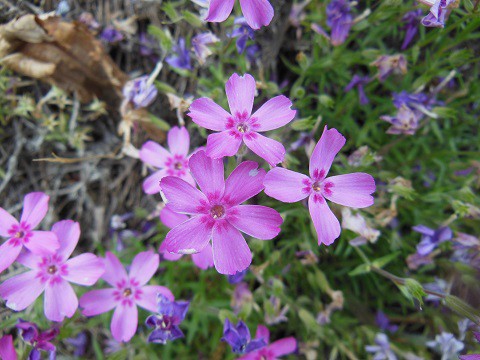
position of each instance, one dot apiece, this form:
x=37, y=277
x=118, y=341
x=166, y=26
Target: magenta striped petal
x=208, y=114
x=351, y=190
x=85, y=269
x=42, y=242
x=268, y=149
x=151, y=185
x=6, y=222
x=144, y=266
x=287, y=185
x=325, y=222
x=170, y=218
x=189, y=237
x=204, y=259
x=68, y=234
x=9, y=251
x=258, y=13
x=154, y=154
x=240, y=93
x=283, y=346
x=178, y=141
x=325, y=151
x=209, y=174
x=219, y=10
x=148, y=299
x=35, y=207
x=114, y=270
x=258, y=221
x=182, y=197
x=60, y=301
x=124, y=322
x=222, y=144
x=244, y=182
x=274, y=113
x=97, y=302
x=22, y=290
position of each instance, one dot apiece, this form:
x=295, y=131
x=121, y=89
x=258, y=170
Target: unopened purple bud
x=140, y=92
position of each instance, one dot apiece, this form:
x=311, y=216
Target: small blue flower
x=446, y=345
x=359, y=82
x=431, y=238
x=140, y=92
x=238, y=337
x=383, y=322
x=181, y=57
x=382, y=349
x=242, y=33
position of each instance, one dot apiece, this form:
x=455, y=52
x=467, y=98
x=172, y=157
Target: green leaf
x=381, y=262
x=360, y=269
x=462, y=308
x=160, y=123
x=415, y=289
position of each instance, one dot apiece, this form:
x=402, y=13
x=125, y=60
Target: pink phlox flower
x=240, y=125
x=202, y=259
x=258, y=13
x=127, y=291
x=7, y=351
x=217, y=213
x=52, y=274
x=351, y=190
x=21, y=234
x=272, y=351
x=172, y=162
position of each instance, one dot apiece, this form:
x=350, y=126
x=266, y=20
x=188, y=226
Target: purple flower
x=7, y=351
x=359, y=82
x=241, y=125
x=238, y=337
x=382, y=349
x=431, y=238
x=271, y=351
x=165, y=324
x=242, y=32
x=386, y=64
x=383, y=322
x=411, y=22
x=348, y=190
x=140, y=92
x=253, y=53
x=40, y=340
x=79, y=343
x=438, y=14
x=339, y=19
x=467, y=250
x=21, y=234
x=257, y=13
x=414, y=261
x=200, y=42
x=472, y=356
x=147, y=46
x=181, y=58
x=111, y=35
x=237, y=277
x=405, y=122
x=446, y=345
x=217, y=213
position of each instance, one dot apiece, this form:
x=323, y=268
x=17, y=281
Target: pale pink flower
x=217, y=213
x=351, y=190
x=7, y=351
x=240, y=125
x=21, y=234
x=271, y=351
x=51, y=274
x=203, y=259
x=258, y=13
x=128, y=291
x=172, y=162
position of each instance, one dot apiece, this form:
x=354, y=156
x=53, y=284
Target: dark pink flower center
x=20, y=234
x=217, y=211
x=177, y=165
x=240, y=125
x=52, y=269
x=323, y=187
x=128, y=292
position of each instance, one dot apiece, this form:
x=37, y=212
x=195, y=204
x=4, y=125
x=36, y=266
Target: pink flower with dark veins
x=52, y=274
x=351, y=190
x=271, y=351
x=21, y=234
x=241, y=125
x=258, y=13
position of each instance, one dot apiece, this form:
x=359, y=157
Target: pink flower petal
x=204, y=259
x=263, y=333
x=60, y=301
x=9, y=253
x=325, y=222
x=231, y=253
x=268, y=149
x=274, y=113
x=325, y=151
x=283, y=346
x=240, y=93
x=22, y=290
x=287, y=185
x=222, y=144
x=114, y=270
x=219, y=10
x=42, y=242
x=6, y=222
x=29, y=259
x=170, y=256
x=85, y=269
x=182, y=197
x=98, y=302
x=178, y=141
x=189, y=237
x=144, y=266
x=244, y=182
x=208, y=114
x=151, y=185
x=35, y=207
x=209, y=174
x=154, y=154
x=258, y=221
x=7, y=351
x=148, y=299
x=170, y=218
x=124, y=322
x=68, y=234
x=351, y=190
x=189, y=179
x=258, y=13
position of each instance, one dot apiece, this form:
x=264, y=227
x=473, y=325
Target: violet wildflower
x=383, y=322
x=237, y=277
x=238, y=337
x=128, y=291
x=405, y=122
x=241, y=125
x=52, y=274
x=439, y=286
x=411, y=21
x=275, y=313
x=7, y=351
x=271, y=351
x=359, y=82
x=79, y=344
x=447, y=346
x=472, y=356
x=40, y=340
x=467, y=250
x=172, y=162
x=21, y=234
x=217, y=213
x=253, y=53
x=382, y=349
x=111, y=35
x=257, y=13
x=202, y=259
x=181, y=57
x=147, y=46
x=140, y=91
x=165, y=324
x=200, y=42
x=431, y=238
x=414, y=261
x=438, y=13
x=320, y=31
x=358, y=224
x=339, y=19
x=390, y=64
x=351, y=190
x=242, y=32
